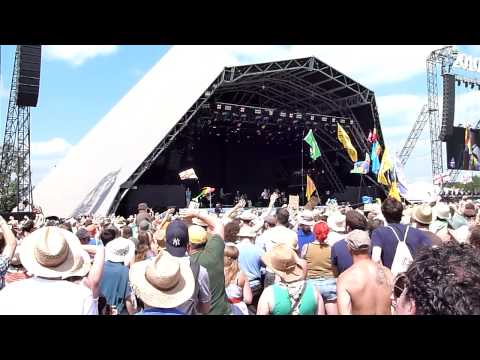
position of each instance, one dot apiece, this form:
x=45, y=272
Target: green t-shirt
x=211, y=258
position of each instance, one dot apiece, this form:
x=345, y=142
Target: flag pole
x=301, y=141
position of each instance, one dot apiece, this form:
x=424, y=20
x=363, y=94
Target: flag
x=347, y=144
x=311, y=188
x=375, y=157
x=441, y=179
x=205, y=191
x=372, y=136
x=361, y=167
x=188, y=174
x=314, y=149
x=385, y=166
x=400, y=177
x=394, y=191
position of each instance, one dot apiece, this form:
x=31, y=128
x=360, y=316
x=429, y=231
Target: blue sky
x=80, y=84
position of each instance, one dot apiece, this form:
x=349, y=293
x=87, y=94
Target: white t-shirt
x=37, y=296
x=333, y=237
x=277, y=235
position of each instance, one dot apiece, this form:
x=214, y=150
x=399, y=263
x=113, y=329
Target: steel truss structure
x=298, y=86
x=15, y=161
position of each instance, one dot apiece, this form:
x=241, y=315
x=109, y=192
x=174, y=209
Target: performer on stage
x=188, y=196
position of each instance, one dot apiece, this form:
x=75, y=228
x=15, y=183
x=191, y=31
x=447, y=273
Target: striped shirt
x=4, y=264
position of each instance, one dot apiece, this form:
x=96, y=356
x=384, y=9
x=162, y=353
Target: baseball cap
x=358, y=239
x=176, y=238
x=197, y=235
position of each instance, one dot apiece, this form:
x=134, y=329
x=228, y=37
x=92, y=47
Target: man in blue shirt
x=340, y=255
x=250, y=262
x=304, y=232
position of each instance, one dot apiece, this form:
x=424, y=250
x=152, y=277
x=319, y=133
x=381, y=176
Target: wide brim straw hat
x=246, y=232
x=247, y=216
x=54, y=253
x=337, y=222
x=162, y=282
x=285, y=263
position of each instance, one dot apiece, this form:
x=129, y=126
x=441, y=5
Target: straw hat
x=246, y=232
x=54, y=253
x=162, y=282
x=306, y=218
x=285, y=263
x=442, y=211
x=118, y=249
x=247, y=216
x=423, y=214
x=337, y=222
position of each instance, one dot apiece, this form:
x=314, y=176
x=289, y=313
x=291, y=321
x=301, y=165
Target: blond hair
x=230, y=263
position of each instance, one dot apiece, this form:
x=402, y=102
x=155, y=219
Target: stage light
x=298, y=116
x=472, y=85
x=242, y=109
x=290, y=116
x=312, y=117
x=458, y=82
x=258, y=111
x=282, y=114
x=219, y=107
x=270, y=112
x=324, y=119
x=466, y=84
x=228, y=107
x=263, y=126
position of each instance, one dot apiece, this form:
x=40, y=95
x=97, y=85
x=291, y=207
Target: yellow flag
x=394, y=192
x=311, y=188
x=384, y=167
x=347, y=144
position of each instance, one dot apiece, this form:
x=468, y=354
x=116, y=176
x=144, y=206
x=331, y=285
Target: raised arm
x=231, y=213
x=96, y=271
x=10, y=239
x=215, y=225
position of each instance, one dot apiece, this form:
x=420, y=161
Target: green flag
x=314, y=149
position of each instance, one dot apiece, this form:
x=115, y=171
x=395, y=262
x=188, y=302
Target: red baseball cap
x=321, y=231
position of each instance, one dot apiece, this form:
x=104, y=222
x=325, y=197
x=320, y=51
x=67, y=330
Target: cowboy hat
x=442, y=211
x=118, y=249
x=246, y=232
x=285, y=263
x=336, y=222
x=163, y=281
x=423, y=214
x=247, y=216
x=53, y=253
x=306, y=218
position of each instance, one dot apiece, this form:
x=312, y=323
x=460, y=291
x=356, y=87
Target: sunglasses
x=399, y=285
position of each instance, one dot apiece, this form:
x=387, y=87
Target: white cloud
x=369, y=64
x=52, y=147
x=78, y=54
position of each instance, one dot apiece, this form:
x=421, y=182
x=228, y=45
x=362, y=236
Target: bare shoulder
x=352, y=277
x=383, y=275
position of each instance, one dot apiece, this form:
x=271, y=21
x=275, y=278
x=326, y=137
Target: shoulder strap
x=394, y=232
x=406, y=234
x=297, y=301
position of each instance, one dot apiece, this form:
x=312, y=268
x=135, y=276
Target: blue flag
x=374, y=157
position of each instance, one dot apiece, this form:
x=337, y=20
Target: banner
x=188, y=174
x=311, y=188
x=314, y=149
x=294, y=202
x=347, y=144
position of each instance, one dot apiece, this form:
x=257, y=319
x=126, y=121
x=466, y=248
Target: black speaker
x=448, y=114
x=29, y=75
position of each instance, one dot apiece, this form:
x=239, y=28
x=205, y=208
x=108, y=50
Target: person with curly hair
x=440, y=281
x=231, y=231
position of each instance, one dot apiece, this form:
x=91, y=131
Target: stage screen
x=463, y=149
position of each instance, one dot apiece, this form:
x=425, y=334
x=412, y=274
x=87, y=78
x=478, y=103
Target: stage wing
x=88, y=178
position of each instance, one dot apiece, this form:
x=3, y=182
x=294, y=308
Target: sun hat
x=423, y=214
x=176, y=238
x=118, y=249
x=442, y=211
x=461, y=234
x=162, y=282
x=321, y=231
x=197, y=235
x=246, y=232
x=337, y=222
x=306, y=218
x=358, y=239
x=198, y=221
x=247, y=216
x=285, y=263
x=144, y=225
x=469, y=210
x=51, y=252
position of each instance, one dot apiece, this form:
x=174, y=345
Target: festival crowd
x=377, y=259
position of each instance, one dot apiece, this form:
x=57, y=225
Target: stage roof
x=107, y=162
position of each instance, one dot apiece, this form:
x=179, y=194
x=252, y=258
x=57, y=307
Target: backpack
x=402, y=258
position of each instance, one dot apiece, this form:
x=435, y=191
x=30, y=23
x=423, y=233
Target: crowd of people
x=379, y=259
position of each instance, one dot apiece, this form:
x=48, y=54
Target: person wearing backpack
x=290, y=294
x=176, y=243
x=396, y=244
